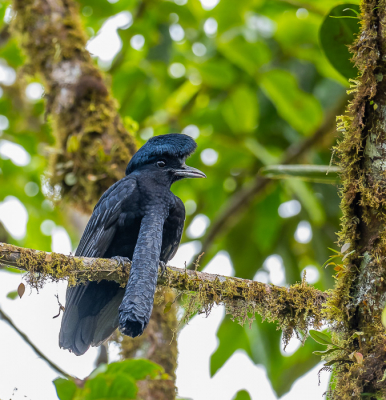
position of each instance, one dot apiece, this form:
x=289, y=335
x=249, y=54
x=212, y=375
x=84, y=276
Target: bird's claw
x=163, y=267
x=121, y=261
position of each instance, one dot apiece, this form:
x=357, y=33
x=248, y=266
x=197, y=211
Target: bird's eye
x=161, y=163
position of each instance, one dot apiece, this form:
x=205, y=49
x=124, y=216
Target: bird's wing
x=102, y=225
x=89, y=318
x=172, y=232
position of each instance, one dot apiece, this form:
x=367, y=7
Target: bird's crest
x=172, y=144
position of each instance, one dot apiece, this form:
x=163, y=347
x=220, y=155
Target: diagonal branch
x=241, y=200
x=55, y=367
x=295, y=308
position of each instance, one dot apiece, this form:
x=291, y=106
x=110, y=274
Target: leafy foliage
x=114, y=381
x=338, y=30
x=242, y=395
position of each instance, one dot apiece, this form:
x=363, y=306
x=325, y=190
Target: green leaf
x=309, y=173
x=384, y=317
x=14, y=270
x=231, y=337
x=217, y=73
x=320, y=337
x=227, y=20
x=335, y=251
x=11, y=52
x=65, y=388
x=300, y=109
x=181, y=96
x=240, y=110
x=73, y=144
x=114, y=381
x=138, y=369
x=302, y=42
x=325, y=352
x=117, y=386
x=247, y=56
x=336, y=34
x=12, y=295
x=168, y=306
x=242, y=395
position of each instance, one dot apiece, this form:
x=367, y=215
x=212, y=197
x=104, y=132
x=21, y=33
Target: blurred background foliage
x=247, y=80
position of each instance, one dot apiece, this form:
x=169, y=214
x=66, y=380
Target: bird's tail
x=137, y=304
x=91, y=315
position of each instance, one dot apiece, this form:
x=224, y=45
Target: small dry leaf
x=358, y=357
x=48, y=257
x=21, y=290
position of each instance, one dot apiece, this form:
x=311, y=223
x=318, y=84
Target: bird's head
x=166, y=155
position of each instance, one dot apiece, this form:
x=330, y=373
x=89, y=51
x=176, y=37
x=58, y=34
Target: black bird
x=138, y=218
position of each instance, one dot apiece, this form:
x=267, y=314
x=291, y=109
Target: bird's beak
x=189, y=172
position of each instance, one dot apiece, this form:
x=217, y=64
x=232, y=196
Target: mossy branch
x=295, y=309
x=93, y=146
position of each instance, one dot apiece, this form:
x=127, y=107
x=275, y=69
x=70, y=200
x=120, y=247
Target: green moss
x=356, y=303
x=294, y=309
x=93, y=147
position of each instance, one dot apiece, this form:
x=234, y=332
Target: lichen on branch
x=294, y=309
x=92, y=145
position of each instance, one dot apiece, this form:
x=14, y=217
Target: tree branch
x=295, y=308
x=55, y=367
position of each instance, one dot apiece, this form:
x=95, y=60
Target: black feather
x=172, y=144
x=139, y=218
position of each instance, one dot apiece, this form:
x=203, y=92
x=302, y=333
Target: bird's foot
x=121, y=261
x=163, y=267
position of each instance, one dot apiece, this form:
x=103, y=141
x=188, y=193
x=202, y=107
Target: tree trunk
x=355, y=307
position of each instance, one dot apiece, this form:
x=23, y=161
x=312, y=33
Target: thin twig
x=61, y=307
x=55, y=367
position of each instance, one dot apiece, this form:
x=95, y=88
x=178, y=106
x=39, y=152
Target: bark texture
x=355, y=307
